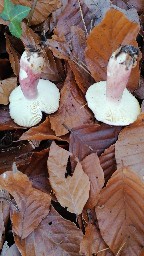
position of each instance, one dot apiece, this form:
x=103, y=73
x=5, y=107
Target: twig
x=32, y=10
x=82, y=17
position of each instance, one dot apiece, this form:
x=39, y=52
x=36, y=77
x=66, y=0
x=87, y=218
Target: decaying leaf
x=71, y=192
x=32, y=204
x=4, y=215
x=129, y=149
x=114, y=30
x=14, y=56
x=120, y=213
x=10, y=251
x=72, y=111
x=93, y=243
x=87, y=139
x=54, y=236
x=92, y=168
x=30, y=39
x=6, y=87
x=108, y=161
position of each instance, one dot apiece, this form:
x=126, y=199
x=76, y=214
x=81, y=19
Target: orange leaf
x=14, y=56
x=120, y=213
x=33, y=205
x=71, y=192
x=114, y=30
x=6, y=87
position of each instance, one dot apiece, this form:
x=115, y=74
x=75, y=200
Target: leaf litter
x=70, y=164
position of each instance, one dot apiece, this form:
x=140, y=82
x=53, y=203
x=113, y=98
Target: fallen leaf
x=94, y=138
x=4, y=215
x=93, y=243
x=108, y=162
x=91, y=166
x=139, y=92
x=138, y=5
x=33, y=205
x=6, y=87
x=120, y=213
x=14, y=56
x=72, y=111
x=71, y=192
x=114, y=30
x=54, y=236
x=129, y=148
x=41, y=132
x=20, y=153
x=30, y=39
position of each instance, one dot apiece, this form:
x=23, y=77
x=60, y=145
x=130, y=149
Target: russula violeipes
x=34, y=95
x=109, y=100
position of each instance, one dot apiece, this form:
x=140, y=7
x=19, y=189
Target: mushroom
x=109, y=100
x=34, y=95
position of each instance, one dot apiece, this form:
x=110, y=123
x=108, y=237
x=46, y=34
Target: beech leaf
x=33, y=205
x=92, y=168
x=120, y=213
x=114, y=30
x=129, y=149
x=6, y=87
x=54, y=236
x=71, y=192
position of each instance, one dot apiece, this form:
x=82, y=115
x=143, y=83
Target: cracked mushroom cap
x=28, y=112
x=122, y=113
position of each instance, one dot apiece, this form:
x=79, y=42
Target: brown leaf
x=139, y=4
x=93, y=244
x=108, y=162
x=33, y=205
x=92, y=168
x=29, y=38
x=41, y=132
x=105, y=38
x=54, y=236
x=71, y=112
x=4, y=215
x=87, y=139
x=6, y=87
x=129, y=148
x=14, y=56
x=120, y=213
x=139, y=92
x=19, y=152
x=71, y=192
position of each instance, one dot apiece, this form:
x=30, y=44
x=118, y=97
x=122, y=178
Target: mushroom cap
x=110, y=112
x=33, y=60
x=28, y=112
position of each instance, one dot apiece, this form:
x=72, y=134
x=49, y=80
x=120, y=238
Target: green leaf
x=14, y=13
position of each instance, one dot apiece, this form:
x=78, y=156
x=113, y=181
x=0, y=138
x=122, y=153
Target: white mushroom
x=34, y=95
x=109, y=100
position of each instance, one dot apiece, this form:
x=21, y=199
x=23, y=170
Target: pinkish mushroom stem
x=30, y=72
x=118, y=71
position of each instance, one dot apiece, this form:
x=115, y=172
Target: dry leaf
x=33, y=205
x=10, y=251
x=139, y=4
x=87, y=139
x=29, y=38
x=129, y=149
x=14, y=56
x=71, y=192
x=72, y=111
x=20, y=153
x=108, y=162
x=42, y=9
x=4, y=215
x=120, y=213
x=93, y=244
x=54, y=236
x=114, y=30
x=6, y=87
x=92, y=168
x=139, y=92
